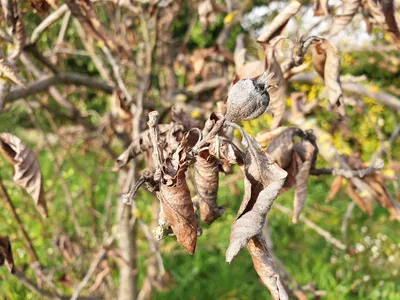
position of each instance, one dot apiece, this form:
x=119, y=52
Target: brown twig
x=325, y=234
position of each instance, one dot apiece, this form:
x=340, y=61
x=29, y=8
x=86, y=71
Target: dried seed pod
x=206, y=180
x=247, y=99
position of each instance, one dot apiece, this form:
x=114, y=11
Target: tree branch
x=350, y=87
x=45, y=83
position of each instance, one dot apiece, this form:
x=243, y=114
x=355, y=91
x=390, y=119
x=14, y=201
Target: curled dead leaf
x=206, y=179
x=263, y=181
x=326, y=61
x=26, y=166
x=350, y=8
x=279, y=23
x=175, y=196
x=264, y=266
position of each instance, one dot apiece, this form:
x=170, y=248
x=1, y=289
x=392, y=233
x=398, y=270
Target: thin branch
x=41, y=85
x=361, y=173
x=46, y=23
x=325, y=234
x=350, y=87
x=45, y=294
x=99, y=257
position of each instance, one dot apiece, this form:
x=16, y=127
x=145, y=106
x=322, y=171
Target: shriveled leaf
x=306, y=152
x=277, y=92
x=251, y=69
x=351, y=192
x=392, y=19
x=175, y=196
x=279, y=23
x=280, y=149
x=350, y=8
x=376, y=182
x=267, y=136
x=263, y=181
x=41, y=7
x=265, y=268
x=6, y=256
x=26, y=166
x=321, y=8
x=326, y=61
x=335, y=188
x=207, y=181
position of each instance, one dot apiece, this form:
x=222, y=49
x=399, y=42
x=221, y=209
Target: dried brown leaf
x=277, y=91
x=207, y=181
x=335, y=188
x=351, y=192
x=263, y=181
x=41, y=7
x=279, y=23
x=376, y=182
x=280, y=149
x=251, y=69
x=26, y=166
x=265, y=268
x=321, y=8
x=392, y=19
x=306, y=152
x=267, y=136
x=326, y=61
x=6, y=256
x=175, y=196
x=350, y=8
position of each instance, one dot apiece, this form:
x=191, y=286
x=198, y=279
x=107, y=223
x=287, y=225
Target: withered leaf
x=267, y=136
x=263, y=181
x=175, y=196
x=207, y=13
x=351, y=192
x=326, y=61
x=306, y=152
x=264, y=266
x=280, y=149
x=350, y=8
x=335, y=188
x=41, y=7
x=26, y=166
x=277, y=91
x=6, y=256
x=279, y=23
x=392, y=20
x=206, y=180
x=321, y=8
